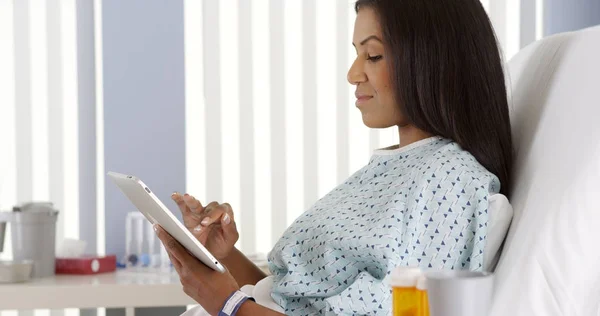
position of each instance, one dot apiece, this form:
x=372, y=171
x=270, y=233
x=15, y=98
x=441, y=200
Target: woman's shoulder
x=450, y=164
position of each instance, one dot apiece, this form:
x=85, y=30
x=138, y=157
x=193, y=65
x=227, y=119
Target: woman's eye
x=374, y=58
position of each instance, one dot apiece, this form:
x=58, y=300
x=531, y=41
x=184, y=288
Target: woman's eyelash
x=374, y=58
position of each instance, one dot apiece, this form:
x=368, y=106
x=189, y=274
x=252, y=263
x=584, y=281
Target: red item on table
x=86, y=265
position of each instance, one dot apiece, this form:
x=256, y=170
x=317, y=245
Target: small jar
x=422, y=293
x=405, y=296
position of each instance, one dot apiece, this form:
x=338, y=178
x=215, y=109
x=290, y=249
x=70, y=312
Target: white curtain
x=39, y=112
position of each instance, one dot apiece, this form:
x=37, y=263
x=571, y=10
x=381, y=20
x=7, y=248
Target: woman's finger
x=199, y=229
x=228, y=209
x=230, y=232
x=202, y=233
x=175, y=262
x=222, y=211
x=178, y=198
x=210, y=207
x=194, y=205
x=173, y=247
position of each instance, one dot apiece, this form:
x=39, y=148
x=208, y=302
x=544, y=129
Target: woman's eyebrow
x=372, y=37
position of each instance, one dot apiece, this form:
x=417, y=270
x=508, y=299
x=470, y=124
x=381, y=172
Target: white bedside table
x=123, y=289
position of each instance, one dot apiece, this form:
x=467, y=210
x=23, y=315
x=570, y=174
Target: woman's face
x=370, y=74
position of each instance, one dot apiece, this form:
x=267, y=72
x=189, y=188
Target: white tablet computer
x=157, y=213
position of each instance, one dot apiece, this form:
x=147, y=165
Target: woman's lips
x=362, y=99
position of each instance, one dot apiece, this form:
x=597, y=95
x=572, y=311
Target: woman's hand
x=213, y=225
x=207, y=287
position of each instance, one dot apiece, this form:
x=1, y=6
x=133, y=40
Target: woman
x=433, y=69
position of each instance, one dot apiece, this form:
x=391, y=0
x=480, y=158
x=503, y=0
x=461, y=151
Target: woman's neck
x=410, y=134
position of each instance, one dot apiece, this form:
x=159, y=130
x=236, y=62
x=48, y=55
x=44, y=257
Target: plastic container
x=15, y=271
x=422, y=294
x=405, y=297
x=86, y=265
x=33, y=231
x=134, y=240
x=459, y=293
x=143, y=250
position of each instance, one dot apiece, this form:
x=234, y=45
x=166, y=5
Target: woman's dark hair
x=447, y=75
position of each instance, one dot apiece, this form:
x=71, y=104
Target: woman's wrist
x=246, y=308
x=243, y=269
x=250, y=308
x=233, y=303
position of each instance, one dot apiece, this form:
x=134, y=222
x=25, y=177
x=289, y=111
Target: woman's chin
x=375, y=122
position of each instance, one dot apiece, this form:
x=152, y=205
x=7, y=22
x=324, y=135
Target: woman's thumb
x=201, y=233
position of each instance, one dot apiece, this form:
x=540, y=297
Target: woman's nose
x=356, y=74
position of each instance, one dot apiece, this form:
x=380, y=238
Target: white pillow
x=550, y=264
x=500, y=213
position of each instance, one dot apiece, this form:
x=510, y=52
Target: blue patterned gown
x=424, y=205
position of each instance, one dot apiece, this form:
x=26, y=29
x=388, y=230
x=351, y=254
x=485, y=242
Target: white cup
x=459, y=293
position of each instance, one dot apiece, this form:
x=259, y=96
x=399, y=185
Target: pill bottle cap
x=405, y=276
x=422, y=283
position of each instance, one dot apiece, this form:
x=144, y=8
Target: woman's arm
x=250, y=308
x=243, y=270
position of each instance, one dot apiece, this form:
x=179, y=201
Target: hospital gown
x=425, y=204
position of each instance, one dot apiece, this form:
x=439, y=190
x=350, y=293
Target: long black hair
x=447, y=75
